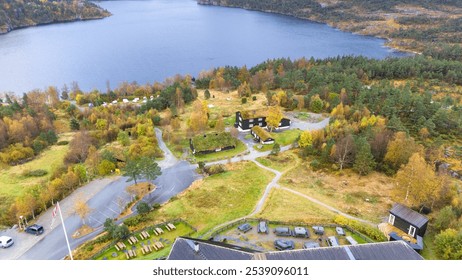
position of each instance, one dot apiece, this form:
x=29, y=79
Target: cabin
x=245, y=120
x=212, y=143
x=408, y=220
x=261, y=135
x=187, y=248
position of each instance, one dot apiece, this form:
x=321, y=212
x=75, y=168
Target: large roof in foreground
x=186, y=248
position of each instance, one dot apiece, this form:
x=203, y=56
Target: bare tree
x=344, y=151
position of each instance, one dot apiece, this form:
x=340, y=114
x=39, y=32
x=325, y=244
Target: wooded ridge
x=408, y=24
x=16, y=14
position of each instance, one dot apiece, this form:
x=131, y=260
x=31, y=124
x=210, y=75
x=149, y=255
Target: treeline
x=421, y=21
x=16, y=13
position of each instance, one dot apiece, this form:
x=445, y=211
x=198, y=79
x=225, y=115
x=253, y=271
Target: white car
x=6, y=241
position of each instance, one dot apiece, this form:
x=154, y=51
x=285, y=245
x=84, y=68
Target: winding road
x=108, y=197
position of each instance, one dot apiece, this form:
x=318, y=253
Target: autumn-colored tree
x=274, y=117
x=400, y=149
x=379, y=144
x=338, y=112
x=417, y=183
x=306, y=139
x=78, y=147
x=244, y=90
x=199, y=116
x=82, y=209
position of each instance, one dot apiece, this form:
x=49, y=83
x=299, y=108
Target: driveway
x=107, y=198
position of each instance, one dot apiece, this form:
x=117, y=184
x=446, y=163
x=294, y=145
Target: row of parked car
x=6, y=241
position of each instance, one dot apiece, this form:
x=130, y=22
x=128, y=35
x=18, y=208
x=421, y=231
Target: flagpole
x=65, y=233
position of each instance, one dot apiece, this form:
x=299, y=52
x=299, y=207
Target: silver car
x=6, y=241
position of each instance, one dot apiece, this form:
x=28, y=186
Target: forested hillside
x=410, y=24
x=18, y=13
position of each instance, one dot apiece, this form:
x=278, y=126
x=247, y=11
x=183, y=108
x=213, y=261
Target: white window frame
x=412, y=230
x=391, y=219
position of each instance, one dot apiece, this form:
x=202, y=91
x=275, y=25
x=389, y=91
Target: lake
x=147, y=41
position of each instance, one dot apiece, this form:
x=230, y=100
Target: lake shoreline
x=2, y=32
x=388, y=43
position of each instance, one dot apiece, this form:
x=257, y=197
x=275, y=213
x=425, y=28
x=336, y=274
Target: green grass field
x=288, y=207
x=281, y=162
x=12, y=181
x=218, y=198
x=168, y=237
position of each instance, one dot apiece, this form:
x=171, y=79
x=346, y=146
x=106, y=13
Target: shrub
x=367, y=230
x=105, y=167
x=215, y=169
x=254, y=98
x=62, y=143
x=315, y=164
x=143, y=208
x=244, y=100
x=35, y=173
x=16, y=153
x=207, y=94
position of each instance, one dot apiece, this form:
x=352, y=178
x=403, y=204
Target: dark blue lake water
x=147, y=41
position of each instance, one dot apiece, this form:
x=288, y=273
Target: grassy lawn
x=285, y=206
x=367, y=197
x=223, y=154
x=13, y=183
x=429, y=252
x=218, y=198
x=281, y=162
x=168, y=237
x=283, y=138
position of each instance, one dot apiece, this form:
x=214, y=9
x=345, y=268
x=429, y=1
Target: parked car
x=6, y=241
x=35, y=229
x=244, y=227
x=310, y=245
x=263, y=227
x=319, y=230
x=340, y=231
x=301, y=232
x=332, y=241
x=282, y=244
x=283, y=231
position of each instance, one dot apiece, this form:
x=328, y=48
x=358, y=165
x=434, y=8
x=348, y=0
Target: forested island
x=16, y=14
x=409, y=25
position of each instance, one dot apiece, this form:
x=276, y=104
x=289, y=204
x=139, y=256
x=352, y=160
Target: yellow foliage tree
x=274, y=117
x=306, y=139
x=417, y=183
x=400, y=149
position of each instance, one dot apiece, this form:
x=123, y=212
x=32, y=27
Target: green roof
x=213, y=141
x=251, y=114
x=263, y=134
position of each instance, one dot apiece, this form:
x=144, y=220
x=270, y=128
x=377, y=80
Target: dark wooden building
x=245, y=120
x=408, y=220
x=261, y=135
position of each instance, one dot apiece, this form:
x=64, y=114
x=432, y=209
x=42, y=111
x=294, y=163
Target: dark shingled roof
x=183, y=249
x=409, y=215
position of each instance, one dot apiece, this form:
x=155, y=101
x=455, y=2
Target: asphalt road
x=108, y=203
